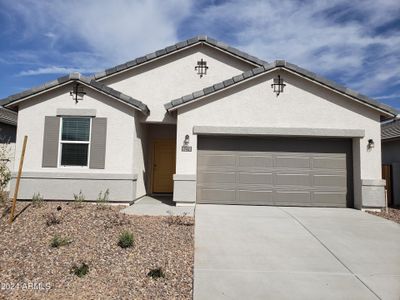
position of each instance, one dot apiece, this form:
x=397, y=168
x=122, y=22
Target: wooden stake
x=21, y=163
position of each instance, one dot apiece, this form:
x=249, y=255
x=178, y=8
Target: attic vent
x=201, y=68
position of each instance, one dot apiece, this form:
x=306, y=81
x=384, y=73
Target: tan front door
x=163, y=166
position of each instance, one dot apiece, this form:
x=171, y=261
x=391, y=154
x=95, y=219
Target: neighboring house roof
x=8, y=116
x=177, y=47
x=12, y=100
x=390, y=130
x=279, y=64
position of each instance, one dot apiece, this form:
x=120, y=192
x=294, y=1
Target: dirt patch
x=393, y=214
x=30, y=268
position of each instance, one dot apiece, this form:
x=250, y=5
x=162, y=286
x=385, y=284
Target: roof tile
x=76, y=77
x=301, y=71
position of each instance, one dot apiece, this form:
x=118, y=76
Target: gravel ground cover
x=30, y=268
x=393, y=214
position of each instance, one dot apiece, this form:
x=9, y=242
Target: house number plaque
x=186, y=148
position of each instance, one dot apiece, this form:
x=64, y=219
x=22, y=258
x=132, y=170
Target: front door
x=163, y=165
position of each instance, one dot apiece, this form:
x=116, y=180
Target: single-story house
x=8, y=133
x=391, y=156
x=206, y=123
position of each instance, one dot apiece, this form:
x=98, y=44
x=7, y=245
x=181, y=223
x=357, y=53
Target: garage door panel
x=335, y=163
x=293, y=179
x=256, y=197
x=292, y=162
x=300, y=198
x=217, y=195
x=331, y=199
x=255, y=161
x=330, y=180
x=217, y=160
x=217, y=177
x=255, y=178
x=274, y=171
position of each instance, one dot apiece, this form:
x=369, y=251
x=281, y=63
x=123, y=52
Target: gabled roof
x=8, y=116
x=390, y=130
x=12, y=100
x=180, y=46
x=280, y=64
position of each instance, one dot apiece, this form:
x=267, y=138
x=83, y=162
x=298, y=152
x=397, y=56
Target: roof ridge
x=76, y=76
x=269, y=66
x=172, y=48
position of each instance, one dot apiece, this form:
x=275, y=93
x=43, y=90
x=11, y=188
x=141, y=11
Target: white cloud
x=315, y=35
x=332, y=38
x=53, y=70
x=112, y=31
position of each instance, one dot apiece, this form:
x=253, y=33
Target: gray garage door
x=274, y=171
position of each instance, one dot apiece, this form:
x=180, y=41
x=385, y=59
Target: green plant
x=52, y=219
x=156, y=273
x=79, y=198
x=80, y=270
x=37, y=200
x=102, y=199
x=58, y=241
x=126, y=239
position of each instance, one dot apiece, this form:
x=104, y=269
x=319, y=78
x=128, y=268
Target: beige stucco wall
x=301, y=105
x=124, y=163
x=120, y=129
x=174, y=76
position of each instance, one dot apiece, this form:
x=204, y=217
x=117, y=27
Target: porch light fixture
x=371, y=144
x=185, y=146
x=77, y=93
x=278, y=85
x=186, y=140
x=201, y=68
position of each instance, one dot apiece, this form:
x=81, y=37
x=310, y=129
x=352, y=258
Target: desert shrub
x=80, y=270
x=79, y=198
x=103, y=199
x=116, y=219
x=52, y=219
x=5, y=173
x=178, y=219
x=126, y=239
x=37, y=200
x=156, y=273
x=58, y=241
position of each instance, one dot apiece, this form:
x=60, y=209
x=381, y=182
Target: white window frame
x=61, y=142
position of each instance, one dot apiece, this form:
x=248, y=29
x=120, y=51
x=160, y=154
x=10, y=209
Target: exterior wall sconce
x=278, y=85
x=371, y=144
x=186, y=147
x=201, y=68
x=186, y=140
x=77, y=93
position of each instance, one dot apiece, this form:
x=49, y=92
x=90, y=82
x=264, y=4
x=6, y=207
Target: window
x=74, y=141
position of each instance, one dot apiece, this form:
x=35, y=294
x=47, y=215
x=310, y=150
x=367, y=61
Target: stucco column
x=186, y=165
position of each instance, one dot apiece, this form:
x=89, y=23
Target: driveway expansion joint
x=330, y=251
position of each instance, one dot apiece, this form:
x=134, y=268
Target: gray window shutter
x=50, y=142
x=98, y=143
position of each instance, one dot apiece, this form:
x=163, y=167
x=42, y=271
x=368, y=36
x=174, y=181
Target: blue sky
x=356, y=43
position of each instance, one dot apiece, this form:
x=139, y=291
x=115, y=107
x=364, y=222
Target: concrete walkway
x=244, y=252
x=157, y=206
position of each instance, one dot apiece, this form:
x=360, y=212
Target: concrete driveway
x=244, y=252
